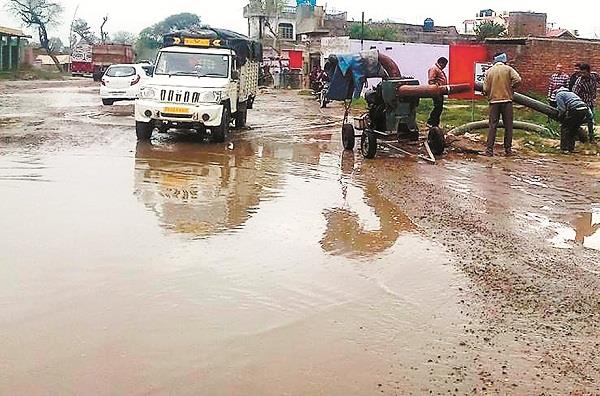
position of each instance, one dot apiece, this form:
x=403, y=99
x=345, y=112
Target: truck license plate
x=176, y=110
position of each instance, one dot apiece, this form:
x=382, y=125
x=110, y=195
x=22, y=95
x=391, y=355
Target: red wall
x=295, y=59
x=462, y=65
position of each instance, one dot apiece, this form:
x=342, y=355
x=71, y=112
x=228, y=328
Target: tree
x=39, y=14
x=56, y=45
x=150, y=39
x=82, y=29
x=123, y=37
x=103, y=34
x=489, y=29
x=374, y=31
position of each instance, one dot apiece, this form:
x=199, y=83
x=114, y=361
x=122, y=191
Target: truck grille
x=177, y=96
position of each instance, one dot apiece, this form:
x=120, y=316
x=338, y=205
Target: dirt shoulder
x=536, y=308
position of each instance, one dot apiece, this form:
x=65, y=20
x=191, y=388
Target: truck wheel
x=368, y=144
x=107, y=102
x=348, y=138
x=143, y=130
x=241, y=116
x=220, y=133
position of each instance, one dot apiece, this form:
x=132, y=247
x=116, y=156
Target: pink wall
x=412, y=58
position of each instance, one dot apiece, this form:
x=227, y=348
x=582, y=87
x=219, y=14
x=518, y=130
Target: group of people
x=574, y=96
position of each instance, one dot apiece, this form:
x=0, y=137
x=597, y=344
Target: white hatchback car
x=123, y=82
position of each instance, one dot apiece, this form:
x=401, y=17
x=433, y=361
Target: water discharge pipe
x=525, y=126
x=529, y=102
x=430, y=91
x=389, y=66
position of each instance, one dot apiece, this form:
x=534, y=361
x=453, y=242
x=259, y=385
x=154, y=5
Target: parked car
x=123, y=82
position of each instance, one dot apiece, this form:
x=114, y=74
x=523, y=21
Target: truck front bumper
x=207, y=114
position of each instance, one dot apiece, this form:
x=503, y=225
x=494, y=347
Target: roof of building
x=523, y=40
x=13, y=32
x=562, y=33
x=47, y=60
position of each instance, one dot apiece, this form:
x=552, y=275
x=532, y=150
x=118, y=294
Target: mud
x=278, y=264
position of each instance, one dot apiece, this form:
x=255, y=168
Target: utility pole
x=72, y=42
x=362, y=32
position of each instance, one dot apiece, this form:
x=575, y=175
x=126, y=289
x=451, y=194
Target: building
x=524, y=24
x=11, y=48
x=427, y=33
x=562, y=34
x=535, y=58
x=487, y=15
x=46, y=62
x=291, y=38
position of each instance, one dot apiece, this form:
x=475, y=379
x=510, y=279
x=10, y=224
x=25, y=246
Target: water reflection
x=200, y=189
x=585, y=228
x=349, y=231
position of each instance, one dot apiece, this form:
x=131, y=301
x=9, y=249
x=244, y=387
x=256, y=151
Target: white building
x=487, y=15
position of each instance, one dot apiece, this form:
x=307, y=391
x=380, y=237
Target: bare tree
x=39, y=14
x=103, y=34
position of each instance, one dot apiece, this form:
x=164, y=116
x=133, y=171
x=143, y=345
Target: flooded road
x=277, y=264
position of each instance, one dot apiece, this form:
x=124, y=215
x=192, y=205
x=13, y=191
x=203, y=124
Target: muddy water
x=264, y=266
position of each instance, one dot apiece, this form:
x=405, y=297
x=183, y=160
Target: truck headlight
x=147, y=93
x=210, y=97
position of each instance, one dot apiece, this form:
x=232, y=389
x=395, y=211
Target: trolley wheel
x=348, y=138
x=368, y=144
x=436, y=140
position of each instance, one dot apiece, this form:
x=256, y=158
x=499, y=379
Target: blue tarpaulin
x=351, y=73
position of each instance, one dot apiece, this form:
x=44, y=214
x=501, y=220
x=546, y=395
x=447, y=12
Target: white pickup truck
x=203, y=80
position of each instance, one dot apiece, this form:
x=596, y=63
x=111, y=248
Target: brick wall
x=523, y=24
x=535, y=59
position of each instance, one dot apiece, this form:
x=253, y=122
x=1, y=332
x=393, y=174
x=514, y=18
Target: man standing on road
x=499, y=84
x=438, y=77
x=586, y=87
x=572, y=112
x=557, y=80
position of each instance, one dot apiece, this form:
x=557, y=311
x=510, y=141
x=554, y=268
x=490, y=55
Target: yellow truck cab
x=204, y=80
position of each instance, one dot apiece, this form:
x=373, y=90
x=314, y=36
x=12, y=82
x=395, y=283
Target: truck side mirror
x=235, y=75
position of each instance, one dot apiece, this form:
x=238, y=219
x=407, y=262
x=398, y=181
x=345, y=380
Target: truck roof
x=207, y=37
x=206, y=50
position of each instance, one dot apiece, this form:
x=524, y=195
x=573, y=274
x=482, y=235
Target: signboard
x=480, y=70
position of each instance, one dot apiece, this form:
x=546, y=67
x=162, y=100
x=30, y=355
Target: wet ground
x=277, y=264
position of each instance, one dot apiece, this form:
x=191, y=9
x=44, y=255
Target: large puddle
x=264, y=266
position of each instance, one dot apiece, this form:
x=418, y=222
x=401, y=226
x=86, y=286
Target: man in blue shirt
x=572, y=112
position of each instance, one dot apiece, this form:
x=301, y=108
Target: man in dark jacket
x=586, y=87
x=572, y=112
x=438, y=77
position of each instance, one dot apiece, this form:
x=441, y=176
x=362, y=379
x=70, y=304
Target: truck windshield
x=192, y=64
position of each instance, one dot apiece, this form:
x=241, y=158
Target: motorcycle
x=323, y=100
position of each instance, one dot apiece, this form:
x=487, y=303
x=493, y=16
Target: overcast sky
x=133, y=16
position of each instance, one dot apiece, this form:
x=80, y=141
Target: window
x=120, y=71
x=192, y=64
x=286, y=31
